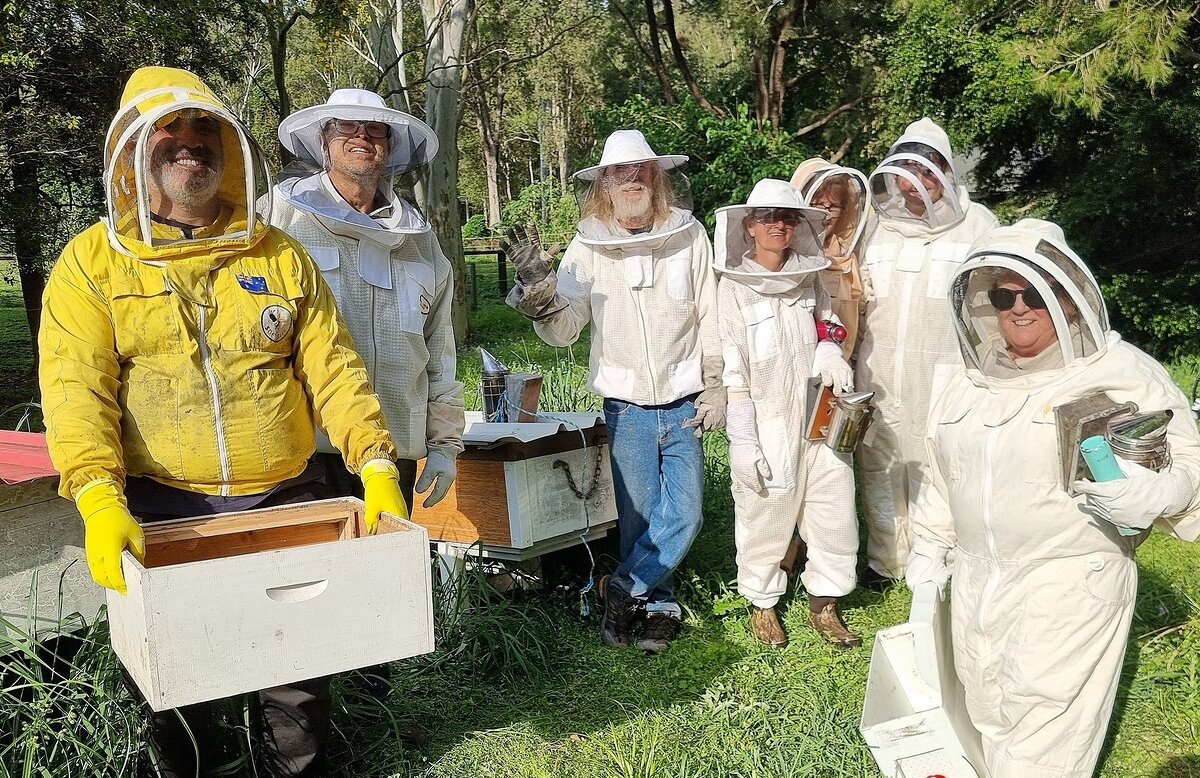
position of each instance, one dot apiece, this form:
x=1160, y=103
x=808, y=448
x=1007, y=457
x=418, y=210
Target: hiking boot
x=620, y=611
x=824, y=617
x=661, y=628
x=765, y=624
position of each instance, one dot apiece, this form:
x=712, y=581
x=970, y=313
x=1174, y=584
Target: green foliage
x=560, y=210
x=474, y=227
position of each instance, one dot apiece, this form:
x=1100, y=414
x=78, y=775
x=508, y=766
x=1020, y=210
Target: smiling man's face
x=354, y=151
x=186, y=160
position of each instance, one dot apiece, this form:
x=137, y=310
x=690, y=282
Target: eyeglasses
x=828, y=206
x=349, y=129
x=772, y=215
x=1004, y=299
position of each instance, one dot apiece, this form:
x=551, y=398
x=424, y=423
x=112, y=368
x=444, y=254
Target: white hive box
x=42, y=534
x=914, y=716
x=513, y=490
x=245, y=601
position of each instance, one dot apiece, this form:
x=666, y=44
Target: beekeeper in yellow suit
x=186, y=347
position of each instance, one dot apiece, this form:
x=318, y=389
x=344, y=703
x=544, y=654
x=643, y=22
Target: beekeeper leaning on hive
x=380, y=258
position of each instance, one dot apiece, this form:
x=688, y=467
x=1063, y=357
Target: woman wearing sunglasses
x=769, y=300
x=1043, y=579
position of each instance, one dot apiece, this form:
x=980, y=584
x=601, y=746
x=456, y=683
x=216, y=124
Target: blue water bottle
x=1100, y=460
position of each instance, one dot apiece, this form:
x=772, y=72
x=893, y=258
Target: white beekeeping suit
x=781, y=480
x=392, y=282
x=1043, y=586
x=908, y=349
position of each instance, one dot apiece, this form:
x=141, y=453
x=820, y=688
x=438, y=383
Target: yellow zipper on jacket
x=210, y=374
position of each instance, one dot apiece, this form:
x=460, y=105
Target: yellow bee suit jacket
x=202, y=372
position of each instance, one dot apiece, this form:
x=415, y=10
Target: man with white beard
x=639, y=271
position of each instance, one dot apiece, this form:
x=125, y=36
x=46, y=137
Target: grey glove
x=523, y=246
x=710, y=411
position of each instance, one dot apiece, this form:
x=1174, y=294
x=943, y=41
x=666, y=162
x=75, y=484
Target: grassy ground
x=523, y=689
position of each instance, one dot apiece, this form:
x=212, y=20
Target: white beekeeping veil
x=1057, y=293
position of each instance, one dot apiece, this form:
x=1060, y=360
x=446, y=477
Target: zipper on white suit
x=989, y=589
x=206, y=360
x=637, y=304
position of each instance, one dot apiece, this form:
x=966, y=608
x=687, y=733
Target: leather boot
x=660, y=630
x=620, y=611
x=765, y=624
x=824, y=617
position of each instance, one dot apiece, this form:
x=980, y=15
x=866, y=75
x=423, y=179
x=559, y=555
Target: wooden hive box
x=245, y=601
x=514, y=493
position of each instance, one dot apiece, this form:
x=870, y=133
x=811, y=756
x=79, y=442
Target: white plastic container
x=914, y=716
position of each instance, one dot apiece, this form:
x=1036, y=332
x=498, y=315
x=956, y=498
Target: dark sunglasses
x=773, y=215
x=1005, y=299
x=349, y=129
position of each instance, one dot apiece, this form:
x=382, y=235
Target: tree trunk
x=656, y=53
x=27, y=241
x=681, y=61
x=445, y=25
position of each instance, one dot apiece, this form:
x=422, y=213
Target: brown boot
x=764, y=622
x=824, y=617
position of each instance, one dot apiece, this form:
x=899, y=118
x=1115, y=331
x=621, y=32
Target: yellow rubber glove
x=381, y=492
x=109, y=528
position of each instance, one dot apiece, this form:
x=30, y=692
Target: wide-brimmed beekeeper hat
x=626, y=147
x=412, y=143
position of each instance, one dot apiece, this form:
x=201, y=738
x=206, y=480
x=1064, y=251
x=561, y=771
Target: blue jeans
x=658, y=477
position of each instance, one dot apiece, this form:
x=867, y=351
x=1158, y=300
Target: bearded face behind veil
x=637, y=194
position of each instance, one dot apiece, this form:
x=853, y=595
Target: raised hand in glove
x=1139, y=498
x=523, y=246
x=832, y=367
x=710, y=411
x=109, y=528
x=440, y=468
x=381, y=492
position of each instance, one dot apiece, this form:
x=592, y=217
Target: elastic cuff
x=378, y=466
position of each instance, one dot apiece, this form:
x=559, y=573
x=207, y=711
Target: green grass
x=18, y=381
x=520, y=686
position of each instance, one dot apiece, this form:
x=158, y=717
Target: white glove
x=927, y=564
x=710, y=411
x=832, y=367
x=438, y=467
x=748, y=465
x=1139, y=498
x=746, y=461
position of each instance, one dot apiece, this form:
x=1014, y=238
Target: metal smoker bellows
x=491, y=386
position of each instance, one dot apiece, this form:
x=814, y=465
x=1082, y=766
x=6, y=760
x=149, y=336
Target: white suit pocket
x=613, y=381
x=776, y=445
x=415, y=296
x=328, y=262
x=679, y=277
x=762, y=332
